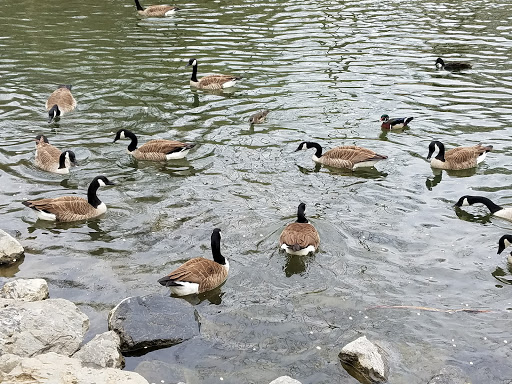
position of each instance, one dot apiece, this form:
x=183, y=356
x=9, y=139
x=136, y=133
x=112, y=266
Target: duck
x=212, y=82
x=456, y=158
x=60, y=101
x=71, y=208
x=156, y=10
x=155, y=150
x=258, y=117
x=348, y=156
x=452, y=65
x=51, y=159
x=199, y=275
x=496, y=210
x=394, y=123
x=300, y=238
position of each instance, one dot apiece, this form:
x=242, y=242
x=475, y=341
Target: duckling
x=51, y=159
x=395, y=123
x=299, y=238
x=456, y=158
x=60, y=101
x=71, y=208
x=349, y=156
x=258, y=117
x=212, y=82
x=155, y=150
x=199, y=275
x=452, y=66
x=156, y=10
x=496, y=210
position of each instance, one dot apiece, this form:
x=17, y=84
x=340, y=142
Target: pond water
x=327, y=71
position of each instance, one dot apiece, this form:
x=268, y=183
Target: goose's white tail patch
x=170, y=13
x=302, y=252
x=185, y=288
x=177, y=155
x=46, y=216
x=229, y=84
x=364, y=164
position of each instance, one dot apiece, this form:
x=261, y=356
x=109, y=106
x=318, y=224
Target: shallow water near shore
x=389, y=235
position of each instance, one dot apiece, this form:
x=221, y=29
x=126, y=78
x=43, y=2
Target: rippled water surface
x=326, y=70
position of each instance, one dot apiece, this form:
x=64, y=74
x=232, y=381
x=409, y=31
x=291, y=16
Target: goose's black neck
x=139, y=7
x=484, y=200
x=92, y=198
x=194, y=73
x=301, y=216
x=440, y=155
x=62, y=160
x=318, y=148
x=217, y=256
x=133, y=144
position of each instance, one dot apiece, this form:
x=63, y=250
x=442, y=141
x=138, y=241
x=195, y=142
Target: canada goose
x=394, y=123
x=156, y=150
x=504, y=242
x=199, y=275
x=156, y=10
x=452, y=66
x=71, y=208
x=211, y=82
x=60, y=101
x=51, y=159
x=496, y=210
x=299, y=238
x=348, y=156
x=258, y=117
x=456, y=158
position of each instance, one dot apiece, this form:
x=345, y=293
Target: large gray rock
x=58, y=369
x=362, y=358
x=25, y=290
x=450, y=375
x=32, y=328
x=285, y=380
x=10, y=248
x=102, y=351
x=153, y=321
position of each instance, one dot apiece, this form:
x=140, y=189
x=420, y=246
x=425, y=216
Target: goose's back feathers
x=47, y=156
x=63, y=98
x=158, y=10
x=215, y=82
x=349, y=156
x=161, y=149
x=298, y=236
x=206, y=273
x=65, y=208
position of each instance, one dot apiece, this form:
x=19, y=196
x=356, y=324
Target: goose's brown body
x=47, y=156
x=207, y=273
x=458, y=158
x=63, y=98
x=67, y=208
x=299, y=236
x=348, y=156
x=158, y=10
x=158, y=150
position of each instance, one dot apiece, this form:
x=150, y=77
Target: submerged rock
x=450, y=375
x=285, y=380
x=25, y=290
x=58, y=369
x=153, y=321
x=366, y=359
x=10, y=248
x=31, y=328
x=102, y=351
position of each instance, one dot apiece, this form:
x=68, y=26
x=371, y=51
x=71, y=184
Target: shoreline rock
x=10, y=249
x=365, y=361
x=25, y=290
x=102, y=351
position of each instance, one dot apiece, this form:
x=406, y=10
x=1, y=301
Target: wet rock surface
x=10, y=248
x=102, y=351
x=25, y=290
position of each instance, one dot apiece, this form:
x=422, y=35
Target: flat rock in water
x=153, y=321
x=10, y=248
x=156, y=371
x=364, y=360
x=25, y=290
x=102, y=352
x=450, y=375
x=59, y=369
x=32, y=328
x=285, y=380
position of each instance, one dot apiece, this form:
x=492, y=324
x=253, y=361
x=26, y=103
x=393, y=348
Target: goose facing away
x=71, y=208
x=258, y=117
x=299, y=238
x=199, y=275
x=504, y=242
x=156, y=10
x=456, y=158
x=212, y=82
x=60, y=101
x=394, y=123
x=155, y=150
x=348, y=156
x=496, y=210
x=452, y=65
x=51, y=159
